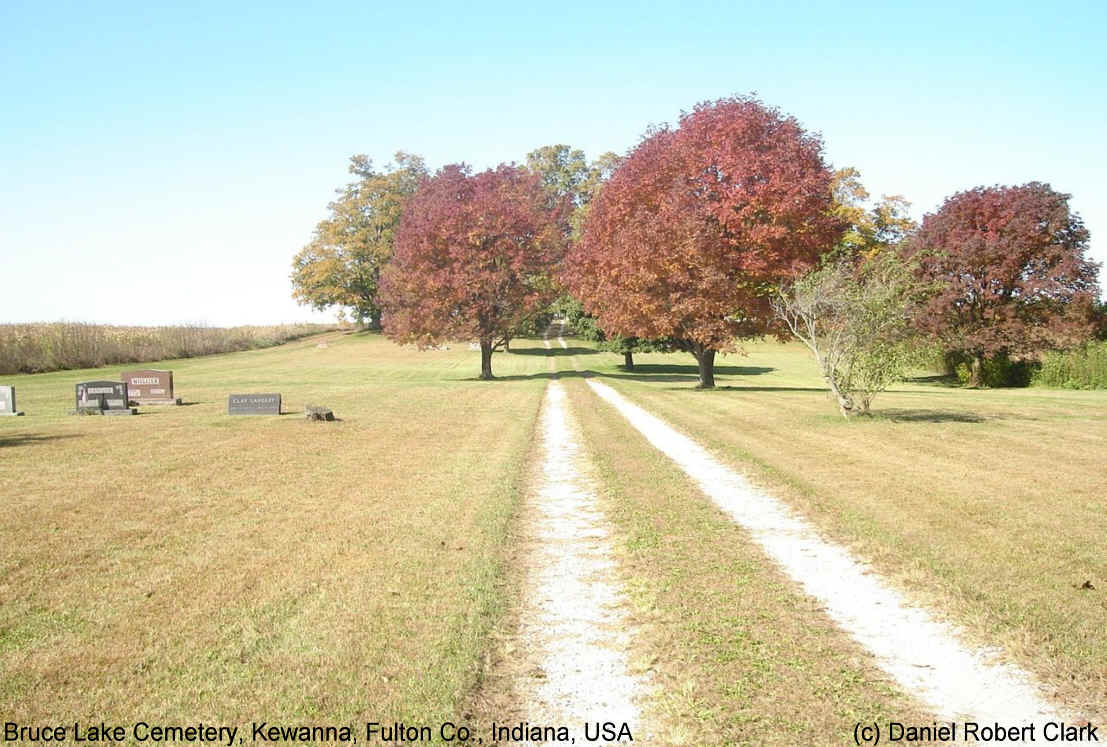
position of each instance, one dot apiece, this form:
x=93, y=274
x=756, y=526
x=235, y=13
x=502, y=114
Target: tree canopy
x=693, y=228
x=566, y=174
x=1010, y=261
x=341, y=265
x=473, y=258
x=869, y=230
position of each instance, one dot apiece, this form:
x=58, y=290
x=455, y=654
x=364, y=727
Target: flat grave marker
x=7, y=401
x=150, y=386
x=254, y=404
x=103, y=397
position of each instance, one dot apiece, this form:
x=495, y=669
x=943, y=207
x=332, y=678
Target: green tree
x=566, y=173
x=855, y=317
x=586, y=326
x=341, y=265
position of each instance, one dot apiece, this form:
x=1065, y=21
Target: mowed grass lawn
x=186, y=565
x=986, y=505
x=737, y=653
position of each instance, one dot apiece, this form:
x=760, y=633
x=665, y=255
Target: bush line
x=1082, y=368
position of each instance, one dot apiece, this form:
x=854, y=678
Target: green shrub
x=997, y=371
x=1082, y=368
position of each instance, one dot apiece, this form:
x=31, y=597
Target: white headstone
x=7, y=401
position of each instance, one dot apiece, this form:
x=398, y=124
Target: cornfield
x=56, y=346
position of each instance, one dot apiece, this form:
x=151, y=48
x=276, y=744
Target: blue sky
x=162, y=164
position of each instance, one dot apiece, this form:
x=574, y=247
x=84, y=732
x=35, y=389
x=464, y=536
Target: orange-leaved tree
x=1014, y=278
x=473, y=258
x=697, y=224
x=342, y=264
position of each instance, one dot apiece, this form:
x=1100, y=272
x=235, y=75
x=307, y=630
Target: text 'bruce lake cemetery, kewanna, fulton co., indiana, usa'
x=7, y=401
x=254, y=404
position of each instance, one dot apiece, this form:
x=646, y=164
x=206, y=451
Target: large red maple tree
x=695, y=226
x=472, y=259
x=1009, y=265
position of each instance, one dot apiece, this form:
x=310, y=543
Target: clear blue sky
x=162, y=164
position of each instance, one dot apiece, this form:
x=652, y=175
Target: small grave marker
x=103, y=397
x=7, y=401
x=254, y=404
x=150, y=387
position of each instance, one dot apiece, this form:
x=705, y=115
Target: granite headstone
x=103, y=397
x=150, y=387
x=254, y=404
x=7, y=401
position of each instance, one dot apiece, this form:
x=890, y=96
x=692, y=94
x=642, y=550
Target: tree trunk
x=628, y=360
x=706, y=360
x=845, y=402
x=374, y=323
x=507, y=344
x=486, y=358
x=976, y=371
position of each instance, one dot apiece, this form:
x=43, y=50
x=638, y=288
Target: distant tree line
x=726, y=227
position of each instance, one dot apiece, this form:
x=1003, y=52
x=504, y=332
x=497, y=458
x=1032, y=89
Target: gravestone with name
x=150, y=387
x=7, y=401
x=103, y=397
x=254, y=404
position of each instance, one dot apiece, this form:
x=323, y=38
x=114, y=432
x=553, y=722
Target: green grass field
x=186, y=565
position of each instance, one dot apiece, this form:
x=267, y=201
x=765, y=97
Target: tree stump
x=314, y=412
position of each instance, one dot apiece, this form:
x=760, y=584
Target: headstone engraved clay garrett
x=150, y=387
x=254, y=404
x=103, y=397
x=7, y=401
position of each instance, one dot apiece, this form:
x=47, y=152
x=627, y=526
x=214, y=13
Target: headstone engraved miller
x=103, y=397
x=254, y=404
x=7, y=401
x=150, y=387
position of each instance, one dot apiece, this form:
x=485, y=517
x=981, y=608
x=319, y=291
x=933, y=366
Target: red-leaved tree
x=694, y=227
x=472, y=259
x=1010, y=266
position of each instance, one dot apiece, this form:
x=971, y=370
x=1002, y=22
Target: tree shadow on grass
x=762, y=389
x=928, y=416
x=25, y=439
x=949, y=381
x=675, y=372
x=553, y=351
x=534, y=376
